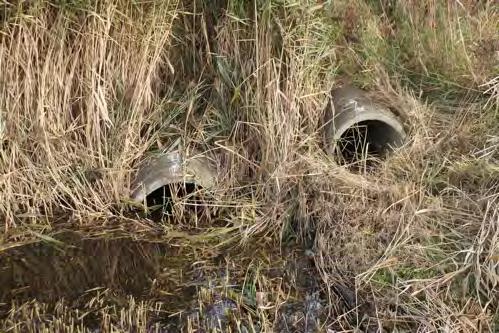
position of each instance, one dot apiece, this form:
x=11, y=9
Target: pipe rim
x=172, y=168
x=350, y=106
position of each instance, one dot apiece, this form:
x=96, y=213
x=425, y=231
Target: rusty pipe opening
x=358, y=129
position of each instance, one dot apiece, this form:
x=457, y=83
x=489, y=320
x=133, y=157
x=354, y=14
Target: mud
x=69, y=266
x=197, y=288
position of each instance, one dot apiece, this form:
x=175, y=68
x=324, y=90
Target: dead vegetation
x=290, y=241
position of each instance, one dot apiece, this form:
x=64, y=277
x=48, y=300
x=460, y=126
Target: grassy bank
x=89, y=88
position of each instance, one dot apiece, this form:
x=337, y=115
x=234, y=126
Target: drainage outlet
x=358, y=129
x=170, y=176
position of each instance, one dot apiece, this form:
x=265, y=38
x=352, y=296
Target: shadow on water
x=70, y=265
x=201, y=286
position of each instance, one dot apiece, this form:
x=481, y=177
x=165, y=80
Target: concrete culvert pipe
x=172, y=170
x=358, y=128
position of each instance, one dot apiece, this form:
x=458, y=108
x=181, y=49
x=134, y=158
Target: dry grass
x=79, y=86
x=87, y=88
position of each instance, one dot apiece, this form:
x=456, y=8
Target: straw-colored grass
x=88, y=89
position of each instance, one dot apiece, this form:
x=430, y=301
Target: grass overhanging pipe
x=170, y=169
x=355, y=126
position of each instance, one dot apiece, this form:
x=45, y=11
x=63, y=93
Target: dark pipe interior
x=367, y=140
x=161, y=201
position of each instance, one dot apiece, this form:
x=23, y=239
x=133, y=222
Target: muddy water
x=201, y=283
x=70, y=266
